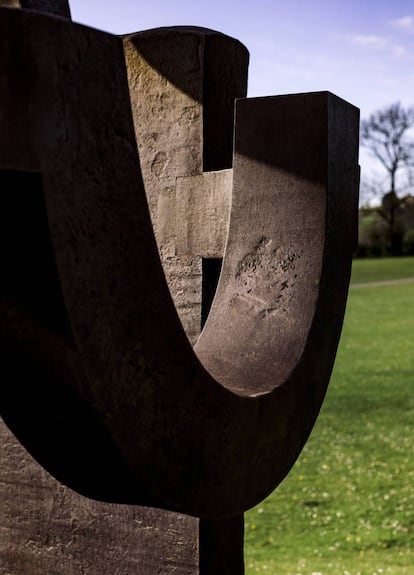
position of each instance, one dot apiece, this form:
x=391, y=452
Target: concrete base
x=48, y=529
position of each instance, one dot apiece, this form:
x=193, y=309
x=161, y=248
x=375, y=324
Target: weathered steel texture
x=103, y=387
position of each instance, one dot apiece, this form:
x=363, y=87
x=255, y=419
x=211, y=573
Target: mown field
x=347, y=507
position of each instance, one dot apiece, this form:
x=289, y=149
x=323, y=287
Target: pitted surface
x=109, y=396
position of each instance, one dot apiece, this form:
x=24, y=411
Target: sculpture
x=103, y=387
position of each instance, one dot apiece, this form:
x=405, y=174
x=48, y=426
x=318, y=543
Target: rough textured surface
x=101, y=383
x=77, y=92
x=121, y=372
x=183, y=84
x=47, y=529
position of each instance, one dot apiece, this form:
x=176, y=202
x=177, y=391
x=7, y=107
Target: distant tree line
x=387, y=230
x=387, y=227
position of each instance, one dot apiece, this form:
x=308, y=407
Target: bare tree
x=386, y=134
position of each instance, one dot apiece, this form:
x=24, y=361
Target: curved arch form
x=208, y=433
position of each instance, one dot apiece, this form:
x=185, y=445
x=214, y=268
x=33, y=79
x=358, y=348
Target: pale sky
x=361, y=50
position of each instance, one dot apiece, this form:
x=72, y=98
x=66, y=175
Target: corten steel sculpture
x=141, y=435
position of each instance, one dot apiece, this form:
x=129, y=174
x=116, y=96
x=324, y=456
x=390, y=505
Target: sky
x=361, y=50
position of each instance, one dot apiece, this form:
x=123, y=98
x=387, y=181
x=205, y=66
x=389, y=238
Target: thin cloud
x=370, y=41
x=406, y=23
x=378, y=43
x=399, y=51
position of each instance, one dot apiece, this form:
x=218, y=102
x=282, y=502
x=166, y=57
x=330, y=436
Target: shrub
x=408, y=243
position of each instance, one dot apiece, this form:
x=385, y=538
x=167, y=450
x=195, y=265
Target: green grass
x=347, y=507
x=378, y=269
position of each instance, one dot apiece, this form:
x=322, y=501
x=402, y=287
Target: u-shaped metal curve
x=124, y=399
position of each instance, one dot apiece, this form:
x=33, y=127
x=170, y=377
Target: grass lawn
x=378, y=269
x=347, y=507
